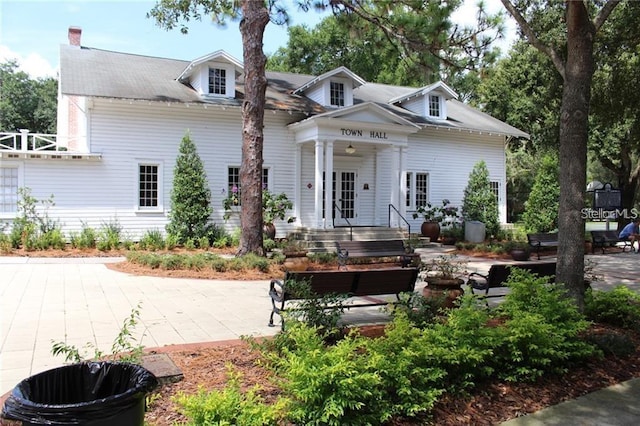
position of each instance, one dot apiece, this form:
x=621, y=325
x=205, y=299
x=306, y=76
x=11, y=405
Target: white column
x=318, y=184
x=395, y=181
x=402, y=169
x=298, y=184
x=328, y=196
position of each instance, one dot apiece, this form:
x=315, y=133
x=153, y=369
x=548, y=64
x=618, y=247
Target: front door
x=344, y=194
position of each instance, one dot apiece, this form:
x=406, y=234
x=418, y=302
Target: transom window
x=434, y=106
x=417, y=190
x=337, y=93
x=8, y=189
x=217, y=81
x=148, y=186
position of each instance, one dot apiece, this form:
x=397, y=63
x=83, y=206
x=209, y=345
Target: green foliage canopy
x=26, y=103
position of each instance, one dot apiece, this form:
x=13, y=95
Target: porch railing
x=392, y=207
x=29, y=142
x=335, y=206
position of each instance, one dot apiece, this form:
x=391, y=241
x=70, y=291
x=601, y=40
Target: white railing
x=29, y=142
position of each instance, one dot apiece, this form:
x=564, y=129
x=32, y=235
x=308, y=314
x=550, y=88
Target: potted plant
x=452, y=233
x=274, y=206
x=443, y=277
x=519, y=250
x=435, y=216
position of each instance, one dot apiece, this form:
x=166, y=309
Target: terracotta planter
x=446, y=291
x=431, y=230
x=269, y=230
x=300, y=263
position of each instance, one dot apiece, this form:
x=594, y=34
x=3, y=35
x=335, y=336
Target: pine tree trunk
x=573, y=149
x=254, y=21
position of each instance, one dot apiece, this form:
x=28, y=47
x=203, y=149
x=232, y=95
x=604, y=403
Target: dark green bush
x=619, y=307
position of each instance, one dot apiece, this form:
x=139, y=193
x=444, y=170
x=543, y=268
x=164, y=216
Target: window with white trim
x=434, y=106
x=217, y=81
x=149, y=186
x=9, y=183
x=233, y=182
x=495, y=188
x=417, y=190
x=336, y=94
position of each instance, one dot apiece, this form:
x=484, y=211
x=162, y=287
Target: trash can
x=89, y=393
x=474, y=231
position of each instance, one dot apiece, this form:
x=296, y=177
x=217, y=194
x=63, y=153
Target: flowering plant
x=273, y=206
x=444, y=214
x=231, y=200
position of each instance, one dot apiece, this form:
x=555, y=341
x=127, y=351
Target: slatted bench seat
x=542, y=239
x=499, y=273
x=353, y=283
x=373, y=249
x=604, y=239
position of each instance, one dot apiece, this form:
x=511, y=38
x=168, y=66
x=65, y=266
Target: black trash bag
x=89, y=393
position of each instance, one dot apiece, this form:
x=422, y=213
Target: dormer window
x=434, y=106
x=337, y=94
x=217, y=81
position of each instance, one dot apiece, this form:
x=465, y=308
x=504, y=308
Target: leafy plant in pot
x=274, y=206
x=435, y=217
x=443, y=276
x=519, y=250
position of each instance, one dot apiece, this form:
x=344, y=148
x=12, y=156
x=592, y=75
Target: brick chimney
x=75, y=34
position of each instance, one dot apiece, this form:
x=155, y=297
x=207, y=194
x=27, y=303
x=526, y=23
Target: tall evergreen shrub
x=541, y=209
x=479, y=202
x=190, y=195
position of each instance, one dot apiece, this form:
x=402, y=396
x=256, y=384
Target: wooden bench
x=542, y=239
x=373, y=249
x=352, y=283
x=499, y=273
x=604, y=239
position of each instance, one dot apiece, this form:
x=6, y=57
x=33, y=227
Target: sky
x=31, y=31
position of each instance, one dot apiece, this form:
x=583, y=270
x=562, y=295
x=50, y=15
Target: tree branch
x=535, y=42
x=604, y=13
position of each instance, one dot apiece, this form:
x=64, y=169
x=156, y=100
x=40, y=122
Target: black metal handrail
x=333, y=218
x=391, y=206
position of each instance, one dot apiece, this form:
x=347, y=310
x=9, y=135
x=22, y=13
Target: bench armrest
x=277, y=294
x=478, y=285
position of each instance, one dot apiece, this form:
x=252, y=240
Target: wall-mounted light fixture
x=366, y=187
x=350, y=149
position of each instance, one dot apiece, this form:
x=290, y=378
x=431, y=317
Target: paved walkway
x=82, y=301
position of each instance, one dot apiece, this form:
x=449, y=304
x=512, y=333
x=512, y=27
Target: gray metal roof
x=100, y=73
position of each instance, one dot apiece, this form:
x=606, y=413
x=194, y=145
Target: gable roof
x=105, y=74
x=219, y=55
x=437, y=86
x=340, y=72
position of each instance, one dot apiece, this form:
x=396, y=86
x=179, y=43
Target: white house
x=121, y=118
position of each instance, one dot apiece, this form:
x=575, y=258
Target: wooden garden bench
x=542, y=239
x=373, y=249
x=499, y=273
x=604, y=239
x=352, y=283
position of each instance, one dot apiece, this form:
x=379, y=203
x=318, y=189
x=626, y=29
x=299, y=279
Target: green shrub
x=612, y=343
x=229, y=406
x=543, y=326
x=190, y=195
x=172, y=262
x=335, y=385
x=190, y=244
x=479, y=202
x=85, y=239
x=152, y=240
x=109, y=234
x=171, y=242
x=321, y=312
x=203, y=243
x=619, y=307
x=52, y=239
x=541, y=209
